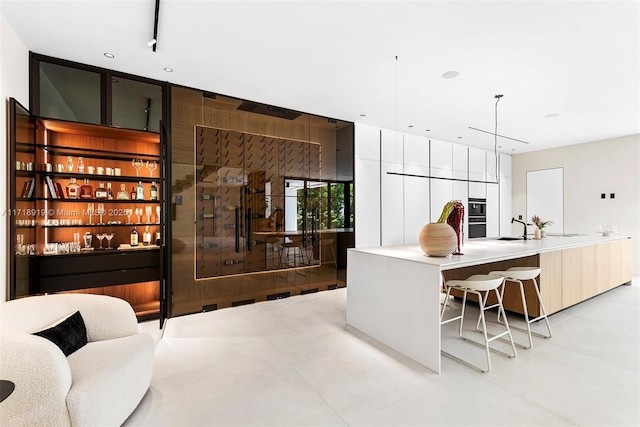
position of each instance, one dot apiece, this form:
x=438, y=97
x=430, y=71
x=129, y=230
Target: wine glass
x=109, y=236
x=157, y=214
x=148, y=210
x=100, y=236
x=151, y=166
x=128, y=212
x=139, y=214
x=137, y=164
x=101, y=212
x=90, y=211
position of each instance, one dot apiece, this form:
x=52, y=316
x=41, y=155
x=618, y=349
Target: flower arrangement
x=539, y=222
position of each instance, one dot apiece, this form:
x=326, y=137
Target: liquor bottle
x=69, y=164
x=133, y=193
x=146, y=236
x=86, y=190
x=139, y=191
x=133, y=237
x=101, y=192
x=80, y=165
x=154, y=191
x=109, y=192
x=73, y=189
x=158, y=238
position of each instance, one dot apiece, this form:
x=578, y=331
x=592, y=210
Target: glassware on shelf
x=139, y=214
x=90, y=212
x=147, y=211
x=128, y=212
x=101, y=212
x=137, y=164
x=101, y=236
x=80, y=165
x=87, y=241
x=109, y=236
x=157, y=214
x=151, y=166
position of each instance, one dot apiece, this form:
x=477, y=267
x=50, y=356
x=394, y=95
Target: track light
x=151, y=42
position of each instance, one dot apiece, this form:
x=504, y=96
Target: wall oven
x=477, y=211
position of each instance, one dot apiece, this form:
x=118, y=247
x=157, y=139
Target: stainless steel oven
x=477, y=210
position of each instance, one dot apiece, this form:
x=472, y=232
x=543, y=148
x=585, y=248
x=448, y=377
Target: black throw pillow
x=69, y=335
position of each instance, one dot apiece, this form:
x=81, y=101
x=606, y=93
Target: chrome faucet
x=524, y=224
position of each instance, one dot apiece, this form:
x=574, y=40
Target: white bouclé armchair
x=100, y=384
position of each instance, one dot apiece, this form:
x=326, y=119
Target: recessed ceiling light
x=513, y=149
x=168, y=70
x=459, y=137
x=551, y=115
x=362, y=115
x=451, y=74
x=428, y=130
x=109, y=55
x=410, y=126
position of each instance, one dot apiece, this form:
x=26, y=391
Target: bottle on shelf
x=69, y=164
x=73, y=189
x=80, y=165
x=122, y=194
x=158, y=238
x=86, y=190
x=133, y=193
x=146, y=236
x=109, y=192
x=139, y=191
x=133, y=237
x=101, y=192
x=154, y=191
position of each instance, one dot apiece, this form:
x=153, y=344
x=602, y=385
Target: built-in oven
x=477, y=211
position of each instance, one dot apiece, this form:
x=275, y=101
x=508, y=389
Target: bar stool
x=477, y=284
x=517, y=275
x=296, y=244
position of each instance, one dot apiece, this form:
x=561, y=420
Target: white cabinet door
x=505, y=207
x=505, y=165
x=493, y=210
x=416, y=207
x=367, y=202
x=460, y=161
x=491, y=166
x=441, y=158
x=460, y=192
x=441, y=193
x=392, y=148
x=392, y=207
x=477, y=164
x=366, y=142
x=416, y=155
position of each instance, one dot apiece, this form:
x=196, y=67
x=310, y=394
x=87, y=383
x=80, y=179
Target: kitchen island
x=393, y=292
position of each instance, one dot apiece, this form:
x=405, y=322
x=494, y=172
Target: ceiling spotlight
x=109, y=55
x=451, y=74
x=151, y=42
x=362, y=115
x=551, y=115
x=168, y=70
x=428, y=130
x=410, y=126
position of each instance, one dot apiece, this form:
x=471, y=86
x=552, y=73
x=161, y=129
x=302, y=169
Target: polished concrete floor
x=295, y=362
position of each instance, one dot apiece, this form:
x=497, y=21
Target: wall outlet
x=520, y=217
x=603, y=196
x=612, y=195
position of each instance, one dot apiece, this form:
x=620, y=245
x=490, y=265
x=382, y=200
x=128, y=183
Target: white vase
x=537, y=234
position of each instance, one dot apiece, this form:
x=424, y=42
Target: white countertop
x=481, y=251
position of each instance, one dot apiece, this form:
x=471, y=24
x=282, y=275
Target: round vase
x=437, y=239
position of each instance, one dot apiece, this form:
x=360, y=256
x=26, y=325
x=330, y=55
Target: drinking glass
x=128, y=212
x=148, y=210
x=101, y=212
x=157, y=214
x=90, y=211
x=139, y=214
x=109, y=236
x=151, y=166
x=100, y=236
x=137, y=164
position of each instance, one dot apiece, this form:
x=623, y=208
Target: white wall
x=14, y=82
x=609, y=166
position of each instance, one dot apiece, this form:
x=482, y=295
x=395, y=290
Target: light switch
x=612, y=195
x=603, y=196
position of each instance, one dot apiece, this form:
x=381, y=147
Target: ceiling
x=378, y=63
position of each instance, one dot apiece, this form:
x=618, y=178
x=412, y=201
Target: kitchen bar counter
x=393, y=293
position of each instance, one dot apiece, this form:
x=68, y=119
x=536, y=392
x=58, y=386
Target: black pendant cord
x=155, y=25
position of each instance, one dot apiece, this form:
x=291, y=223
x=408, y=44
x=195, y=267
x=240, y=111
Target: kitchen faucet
x=524, y=224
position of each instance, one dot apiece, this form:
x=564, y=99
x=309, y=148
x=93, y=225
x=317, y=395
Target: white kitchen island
x=393, y=292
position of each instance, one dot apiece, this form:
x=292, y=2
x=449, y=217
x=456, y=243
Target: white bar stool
x=477, y=284
x=517, y=275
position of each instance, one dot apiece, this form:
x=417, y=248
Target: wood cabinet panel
x=571, y=276
x=588, y=282
x=551, y=281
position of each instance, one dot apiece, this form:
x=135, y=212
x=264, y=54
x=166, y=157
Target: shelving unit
x=49, y=224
